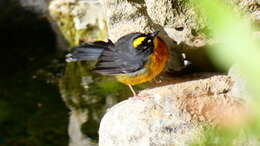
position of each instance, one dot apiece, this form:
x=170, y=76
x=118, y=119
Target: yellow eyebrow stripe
x=138, y=41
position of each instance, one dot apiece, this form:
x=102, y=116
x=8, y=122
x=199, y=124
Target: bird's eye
x=138, y=41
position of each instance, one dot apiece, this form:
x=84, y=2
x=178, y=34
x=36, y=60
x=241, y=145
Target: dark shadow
x=31, y=110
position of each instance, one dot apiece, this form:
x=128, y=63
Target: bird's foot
x=137, y=97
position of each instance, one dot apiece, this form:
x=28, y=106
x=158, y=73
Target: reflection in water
x=88, y=95
x=31, y=109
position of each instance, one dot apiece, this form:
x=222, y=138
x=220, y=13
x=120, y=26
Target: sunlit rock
x=172, y=114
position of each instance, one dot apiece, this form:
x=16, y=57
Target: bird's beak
x=154, y=34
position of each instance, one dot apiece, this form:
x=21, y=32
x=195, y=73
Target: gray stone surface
x=153, y=122
x=172, y=114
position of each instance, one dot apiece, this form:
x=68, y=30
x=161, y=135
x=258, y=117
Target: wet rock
x=172, y=114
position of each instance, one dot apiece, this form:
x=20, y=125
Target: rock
x=145, y=123
x=182, y=28
x=147, y=16
x=172, y=114
x=41, y=8
x=79, y=20
x=179, y=25
x=125, y=17
x=239, y=89
x=38, y=6
x=73, y=21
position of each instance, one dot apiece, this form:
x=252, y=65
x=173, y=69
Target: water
x=31, y=109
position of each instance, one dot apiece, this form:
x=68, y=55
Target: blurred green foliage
x=234, y=44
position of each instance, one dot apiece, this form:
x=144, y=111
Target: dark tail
x=88, y=51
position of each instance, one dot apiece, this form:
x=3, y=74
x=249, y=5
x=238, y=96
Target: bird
x=133, y=59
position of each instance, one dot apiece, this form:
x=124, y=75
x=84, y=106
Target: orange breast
x=153, y=67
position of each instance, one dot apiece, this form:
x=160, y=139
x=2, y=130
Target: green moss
x=111, y=87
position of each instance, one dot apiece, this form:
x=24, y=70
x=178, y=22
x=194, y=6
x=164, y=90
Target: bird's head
x=144, y=41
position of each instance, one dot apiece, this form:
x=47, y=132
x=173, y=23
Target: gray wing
x=121, y=61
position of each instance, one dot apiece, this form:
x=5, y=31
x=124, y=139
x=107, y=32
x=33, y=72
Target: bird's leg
x=134, y=93
x=132, y=89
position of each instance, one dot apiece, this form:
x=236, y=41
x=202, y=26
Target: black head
x=138, y=43
x=144, y=41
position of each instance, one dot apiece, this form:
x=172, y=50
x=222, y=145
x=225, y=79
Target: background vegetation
x=236, y=44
